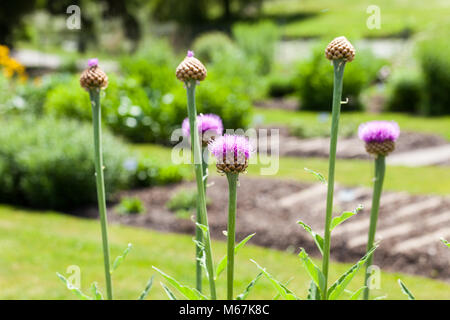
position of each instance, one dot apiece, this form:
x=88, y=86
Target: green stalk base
x=380, y=169
x=339, y=66
x=97, y=124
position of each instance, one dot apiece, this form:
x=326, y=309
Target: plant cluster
x=231, y=154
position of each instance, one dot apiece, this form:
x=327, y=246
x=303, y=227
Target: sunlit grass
x=35, y=245
x=349, y=17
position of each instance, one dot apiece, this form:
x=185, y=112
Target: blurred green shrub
x=184, y=203
x=258, y=42
x=211, y=45
x=281, y=85
x=315, y=81
x=404, y=91
x=49, y=163
x=130, y=205
x=435, y=65
x=148, y=172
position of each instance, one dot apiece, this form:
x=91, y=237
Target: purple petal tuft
x=227, y=145
x=93, y=62
x=379, y=131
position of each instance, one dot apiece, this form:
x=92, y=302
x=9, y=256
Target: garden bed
x=409, y=225
x=353, y=148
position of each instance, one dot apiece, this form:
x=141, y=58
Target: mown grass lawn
x=35, y=245
x=348, y=17
x=420, y=180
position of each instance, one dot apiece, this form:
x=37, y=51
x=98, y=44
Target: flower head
x=232, y=153
x=340, y=48
x=93, y=77
x=191, y=69
x=209, y=127
x=379, y=136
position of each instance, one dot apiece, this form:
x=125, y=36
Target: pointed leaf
x=169, y=293
x=317, y=238
x=120, y=259
x=313, y=291
x=223, y=262
x=249, y=287
x=405, y=290
x=344, y=216
x=445, y=242
x=284, y=284
x=338, y=287
x=73, y=289
x=147, y=288
x=357, y=293
x=282, y=289
x=97, y=294
x=189, y=293
x=317, y=174
x=314, y=272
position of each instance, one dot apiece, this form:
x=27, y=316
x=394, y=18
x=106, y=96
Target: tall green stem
x=198, y=231
x=197, y=152
x=231, y=231
x=97, y=123
x=337, y=93
x=380, y=169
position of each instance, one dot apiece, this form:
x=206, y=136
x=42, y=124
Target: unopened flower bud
x=340, y=48
x=93, y=77
x=191, y=69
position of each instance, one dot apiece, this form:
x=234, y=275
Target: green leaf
x=338, y=287
x=223, y=262
x=314, y=272
x=355, y=295
x=317, y=238
x=284, y=284
x=405, y=290
x=97, y=294
x=344, y=216
x=313, y=291
x=169, y=293
x=445, y=242
x=73, y=289
x=249, y=287
x=317, y=174
x=282, y=289
x=203, y=228
x=120, y=259
x=147, y=288
x=189, y=293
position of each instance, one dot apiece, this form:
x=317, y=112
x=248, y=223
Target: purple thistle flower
x=232, y=153
x=93, y=62
x=379, y=131
x=209, y=126
x=190, y=53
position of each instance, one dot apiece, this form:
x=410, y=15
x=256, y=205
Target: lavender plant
x=232, y=153
x=379, y=138
x=209, y=127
